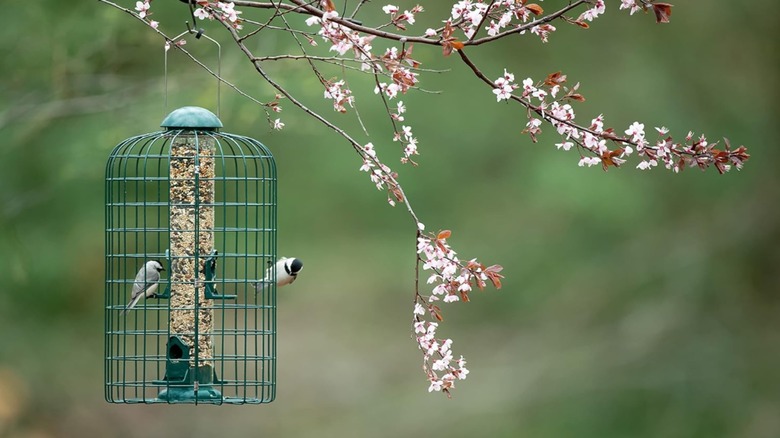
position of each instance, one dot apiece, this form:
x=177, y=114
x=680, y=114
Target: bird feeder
x=203, y=204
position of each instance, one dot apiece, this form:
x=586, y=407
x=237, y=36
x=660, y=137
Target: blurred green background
x=636, y=304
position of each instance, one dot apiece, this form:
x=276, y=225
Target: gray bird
x=146, y=283
x=287, y=269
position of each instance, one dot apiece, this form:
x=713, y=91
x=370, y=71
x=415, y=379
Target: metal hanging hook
x=191, y=5
x=198, y=34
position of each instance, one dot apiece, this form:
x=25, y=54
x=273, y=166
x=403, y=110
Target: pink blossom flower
x=201, y=14
x=597, y=124
x=340, y=95
x=445, y=346
x=390, y=9
x=597, y=9
x=543, y=31
x=625, y=4
x=645, y=165
x=504, y=86
x=278, y=124
x=493, y=29
x=449, y=298
x=228, y=11
x=636, y=131
x=142, y=8
x=589, y=161
x=408, y=16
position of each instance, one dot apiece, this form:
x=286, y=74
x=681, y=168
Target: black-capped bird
x=146, y=283
x=287, y=269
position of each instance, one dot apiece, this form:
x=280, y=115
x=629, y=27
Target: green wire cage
x=201, y=203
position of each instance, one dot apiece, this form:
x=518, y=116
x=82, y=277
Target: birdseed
x=192, y=240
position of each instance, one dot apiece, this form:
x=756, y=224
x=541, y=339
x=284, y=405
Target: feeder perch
x=203, y=204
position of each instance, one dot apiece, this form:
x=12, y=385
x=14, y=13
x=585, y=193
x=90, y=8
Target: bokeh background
x=636, y=304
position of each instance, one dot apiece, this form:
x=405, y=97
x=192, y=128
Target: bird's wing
x=139, y=285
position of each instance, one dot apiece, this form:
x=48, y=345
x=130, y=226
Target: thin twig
x=355, y=145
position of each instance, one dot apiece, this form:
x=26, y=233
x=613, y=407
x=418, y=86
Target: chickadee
x=287, y=269
x=146, y=282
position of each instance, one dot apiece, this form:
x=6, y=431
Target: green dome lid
x=191, y=117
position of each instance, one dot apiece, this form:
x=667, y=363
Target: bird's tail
x=259, y=287
x=131, y=304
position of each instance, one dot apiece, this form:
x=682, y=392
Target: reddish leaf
x=536, y=9
x=576, y=96
x=607, y=158
x=495, y=277
x=444, y=234
x=581, y=24
x=329, y=6
x=447, y=32
x=446, y=48
x=662, y=12
x=494, y=268
x=399, y=196
x=457, y=45
x=556, y=78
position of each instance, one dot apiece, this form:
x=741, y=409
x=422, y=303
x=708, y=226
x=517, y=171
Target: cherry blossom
x=340, y=95
x=589, y=161
x=390, y=9
x=543, y=31
x=142, y=7
x=453, y=280
x=202, y=14
x=626, y=4
x=636, y=131
x=591, y=14
x=228, y=11
x=504, y=86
